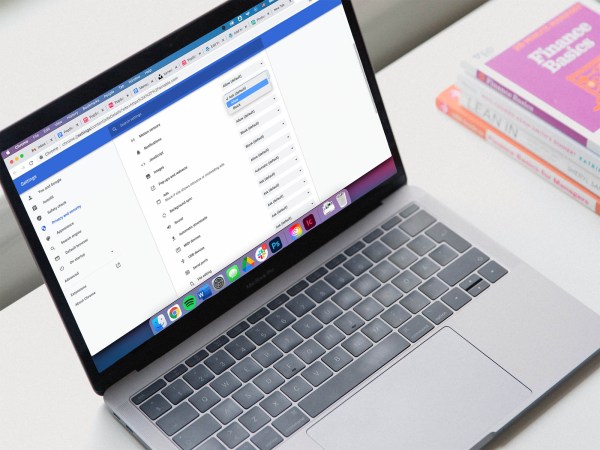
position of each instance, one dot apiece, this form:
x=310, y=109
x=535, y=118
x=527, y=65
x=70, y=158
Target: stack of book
x=537, y=99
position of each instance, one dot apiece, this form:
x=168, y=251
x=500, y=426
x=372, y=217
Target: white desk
x=46, y=401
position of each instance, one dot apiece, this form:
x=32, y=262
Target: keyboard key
x=289, y=366
x=155, y=407
x=376, y=330
x=240, y=347
x=433, y=288
x=196, y=358
x=355, y=373
x=421, y=245
x=372, y=235
x=492, y=271
x=425, y=267
x=309, y=351
x=470, y=281
x=233, y=435
x=277, y=302
x=177, y=391
x=248, y=396
x=443, y=255
x=478, y=288
x=246, y=369
x=358, y=264
x=197, y=432
x=296, y=388
x=204, y=399
x=217, y=343
x=297, y=288
x=384, y=271
x=212, y=444
x=327, y=311
x=260, y=333
x=275, y=404
x=337, y=359
x=198, y=376
x=441, y=233
x=357, y=344
x=346, y=298
x=437, y=312
x=329, y=337
x=463, y=266
x=255, y=317
x=307, y=326
x=396, y=316
x=391, y=223
x=287, y=340
x=354, y=248
x=339, y=278
x=387, y=295
x=268, y=381
x=267, y=354
x=316, y=274
x=417, y=223
x=219, y=362
x=456, y=299
x=225, y=384
x=290, y=422
x=148, y=392
x=176, y=372
x=403, y=258
x=365, y=284
x=266, y=439
x=409, y=210
x=280, y=319
x=238, y=329
x=414, y=302
x=254, y=419
x=395, y=239
x=317, y=373
x=175, y=420
x=376, y=251
x=245, y=446
x=348, y=323
x=332, y=264
x=301, y=304
x=406, y=281
x=319, y=291
x=416, y=328
x=226, y=411
x=368, y=308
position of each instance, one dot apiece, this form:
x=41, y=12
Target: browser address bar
x=118, y=112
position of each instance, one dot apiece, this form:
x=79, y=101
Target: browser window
x=181, y=180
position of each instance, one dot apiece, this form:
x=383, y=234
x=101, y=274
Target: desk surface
x=48, y=403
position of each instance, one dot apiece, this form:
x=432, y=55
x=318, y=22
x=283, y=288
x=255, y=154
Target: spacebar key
x=365, y=366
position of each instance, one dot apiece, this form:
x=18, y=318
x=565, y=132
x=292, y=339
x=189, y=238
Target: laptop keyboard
x=292, y=359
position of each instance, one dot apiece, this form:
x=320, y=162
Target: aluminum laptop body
x=224, y=223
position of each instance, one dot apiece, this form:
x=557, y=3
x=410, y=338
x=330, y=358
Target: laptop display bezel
x=237, y=292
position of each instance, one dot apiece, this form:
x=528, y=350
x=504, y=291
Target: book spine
x=522, y=132
x=450, y=105
x=521, y=102
x=569, y=148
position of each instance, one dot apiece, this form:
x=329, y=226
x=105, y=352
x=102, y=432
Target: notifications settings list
x=218, y=172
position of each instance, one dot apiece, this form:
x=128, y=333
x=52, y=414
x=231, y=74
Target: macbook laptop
x=225, y=225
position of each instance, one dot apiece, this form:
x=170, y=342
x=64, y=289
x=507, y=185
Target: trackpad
x=446, y=394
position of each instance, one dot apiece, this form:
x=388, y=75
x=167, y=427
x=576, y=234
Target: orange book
x=449, y=103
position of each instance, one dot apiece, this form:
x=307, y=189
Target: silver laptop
x=224, y=224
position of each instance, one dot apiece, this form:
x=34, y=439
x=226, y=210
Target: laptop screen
x=156, y=196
